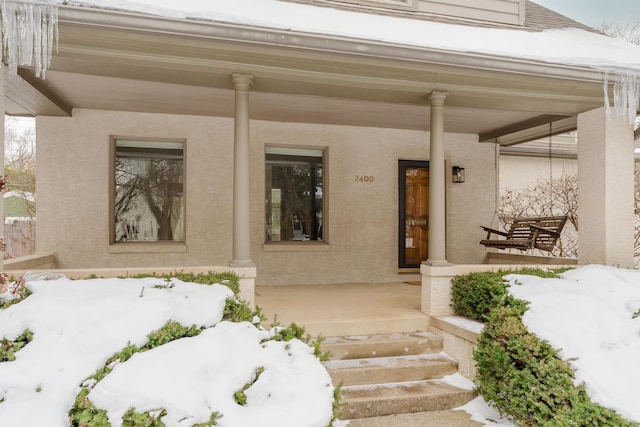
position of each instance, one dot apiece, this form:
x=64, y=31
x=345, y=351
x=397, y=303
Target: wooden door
x=413, y=233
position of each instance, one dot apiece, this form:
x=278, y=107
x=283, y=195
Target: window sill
x=293, y=246
x=147, y=247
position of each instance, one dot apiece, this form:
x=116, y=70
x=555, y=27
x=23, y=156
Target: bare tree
x=20, y=157
x=629, y=32
x=20, y=175
x=156, y=187
x=546, y=197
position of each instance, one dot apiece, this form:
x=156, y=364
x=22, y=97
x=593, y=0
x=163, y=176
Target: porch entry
x=413, y=209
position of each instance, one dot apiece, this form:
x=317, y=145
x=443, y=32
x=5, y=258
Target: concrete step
x=454, y=418
x=382, y=345
x=394, y=369
x=401, y=398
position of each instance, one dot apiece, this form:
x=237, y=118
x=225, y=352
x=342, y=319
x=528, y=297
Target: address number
x=364, y=178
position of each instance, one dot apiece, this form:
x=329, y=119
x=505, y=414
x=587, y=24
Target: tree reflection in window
x=149, y=191
x=294, y=194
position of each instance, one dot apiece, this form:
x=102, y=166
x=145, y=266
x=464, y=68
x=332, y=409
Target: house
x=19, y=204
x=19, y=223
x=308, y=141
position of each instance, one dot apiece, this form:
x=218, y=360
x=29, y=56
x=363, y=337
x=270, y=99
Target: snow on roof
x=564, y=46
x=567, y=46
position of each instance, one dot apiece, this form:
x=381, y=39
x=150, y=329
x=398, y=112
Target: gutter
x=319, y=43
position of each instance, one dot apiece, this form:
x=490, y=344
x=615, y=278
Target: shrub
x=240, y=396
x=475, y=294
x=227, y=278
x=84, y=413
x=524, y=377
x=239, y=311
x=131, y=418
x=8, y=349
x=15, y=289
x=294, y=331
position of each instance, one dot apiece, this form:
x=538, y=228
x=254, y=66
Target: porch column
x=241, y=197
x=605, y=189
x=437, y=209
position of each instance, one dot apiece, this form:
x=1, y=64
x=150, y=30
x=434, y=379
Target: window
x=148, y=196
x=294, y=194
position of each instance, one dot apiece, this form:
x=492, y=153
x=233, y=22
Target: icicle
x=626, y=94
x=28, y=32
x=607, y=104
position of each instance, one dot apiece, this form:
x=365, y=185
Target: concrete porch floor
x=345, y=309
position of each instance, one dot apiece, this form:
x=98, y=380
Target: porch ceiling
x=113, y=61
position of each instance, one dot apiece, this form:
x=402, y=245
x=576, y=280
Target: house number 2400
x=364, y=178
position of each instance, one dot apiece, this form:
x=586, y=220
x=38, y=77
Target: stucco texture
x=360, y=222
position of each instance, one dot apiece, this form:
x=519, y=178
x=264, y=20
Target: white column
x=241, y=183
x=605, y=189
x=437, y=209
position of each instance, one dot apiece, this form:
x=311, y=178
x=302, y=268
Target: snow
x=465, y=323
x=588, y=316
x=36, y=31
x=79, y=325
x=569, y=46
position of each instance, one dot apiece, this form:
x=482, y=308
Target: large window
x=149, y=191
x=294, y=194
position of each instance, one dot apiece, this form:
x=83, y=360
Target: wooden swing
x=528, y=233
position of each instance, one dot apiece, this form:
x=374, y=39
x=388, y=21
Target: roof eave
x=322, y=43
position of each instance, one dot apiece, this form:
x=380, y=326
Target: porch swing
x=527, y=234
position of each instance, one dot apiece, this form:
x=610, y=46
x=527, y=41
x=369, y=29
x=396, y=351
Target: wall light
x=458, y=174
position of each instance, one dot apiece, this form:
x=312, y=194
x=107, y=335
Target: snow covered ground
x=78, y=325
x=588, y=315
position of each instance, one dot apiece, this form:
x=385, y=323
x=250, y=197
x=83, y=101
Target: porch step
x=383, y=345
x=391, y=369
x=393, y=374
x=401, y=398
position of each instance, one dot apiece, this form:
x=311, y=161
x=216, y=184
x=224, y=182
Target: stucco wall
x=470, y=204
x=73, y=181
x=73, y=195
x=518, y=172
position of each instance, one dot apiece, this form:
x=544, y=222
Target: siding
x=502, y=11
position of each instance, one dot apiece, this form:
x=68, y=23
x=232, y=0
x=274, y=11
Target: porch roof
x=150, y=60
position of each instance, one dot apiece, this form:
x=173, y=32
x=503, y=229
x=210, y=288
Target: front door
x=413, y=225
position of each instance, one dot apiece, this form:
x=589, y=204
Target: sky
x=596, y=12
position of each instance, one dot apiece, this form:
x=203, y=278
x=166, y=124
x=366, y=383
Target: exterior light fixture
x=458, y=174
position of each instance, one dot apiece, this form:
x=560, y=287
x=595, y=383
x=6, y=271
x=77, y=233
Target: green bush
x=473, y=295
x=240, y=396
x=17, y=288
x=8, y=349
x=524, y=377
x=84, y=413
x=239, y=311
x=294, y=331
x=227, y=278
x=169, y=332
x=131, y=418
